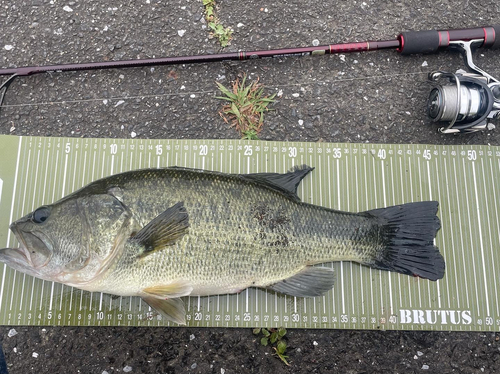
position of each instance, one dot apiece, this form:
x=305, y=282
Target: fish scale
x=240, y=246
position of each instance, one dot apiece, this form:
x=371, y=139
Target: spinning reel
x=468, y=101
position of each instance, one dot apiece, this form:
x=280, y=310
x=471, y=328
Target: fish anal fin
x=170, y=290
x=309, y=282
x=164, y=230
x=171, y=309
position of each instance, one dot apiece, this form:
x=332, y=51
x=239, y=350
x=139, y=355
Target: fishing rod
x=466, y=101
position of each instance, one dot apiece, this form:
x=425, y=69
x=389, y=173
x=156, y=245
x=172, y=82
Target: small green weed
x=274, y=337
x=223, y=34
x=246, y=107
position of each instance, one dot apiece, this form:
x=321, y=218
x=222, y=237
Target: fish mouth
x=17, y=256
x=34, y=251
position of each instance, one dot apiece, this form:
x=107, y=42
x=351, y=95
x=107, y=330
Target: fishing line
x=188, y=93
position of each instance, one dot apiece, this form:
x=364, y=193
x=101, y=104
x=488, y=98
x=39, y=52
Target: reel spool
x=466, y=101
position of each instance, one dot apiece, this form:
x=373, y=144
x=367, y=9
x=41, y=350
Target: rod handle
x=411, y=42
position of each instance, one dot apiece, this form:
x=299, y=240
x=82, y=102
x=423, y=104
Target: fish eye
x=40, y=215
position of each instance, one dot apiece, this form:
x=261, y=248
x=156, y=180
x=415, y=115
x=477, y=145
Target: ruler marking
x=452, y=236
x=389, y=276
x=370, y=269
x=357, y=210
x=412, y=199
x=443, y=243
x=457, y=194
x=472, y=243
x=342, y=296
x=481, y=245
x=342, y=172
x=434, y=240
x=498, y=222
x=23, y=213
x=403, y=194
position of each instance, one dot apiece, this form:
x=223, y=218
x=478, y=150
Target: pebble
x=419, y=353
x=181, y=32
x=342, y=57
x=194, y=366
x=222, y=371
x=192, y=96
x=104, y=372
x=301, y=122
x=240, y=25
x=8, y=47
x=425, y=367
x=67, y=8
x=191, y=337
x=34, y=354
x=119, y=103
x=12, y=332
x=127, y=369
x=424, y=64
x=133, y=134
x=315, y=42
x=315, y=343
x=295, y=94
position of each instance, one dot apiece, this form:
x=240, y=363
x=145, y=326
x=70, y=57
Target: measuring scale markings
x=397, y=174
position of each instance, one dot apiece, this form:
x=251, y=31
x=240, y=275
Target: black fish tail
x=408, y=233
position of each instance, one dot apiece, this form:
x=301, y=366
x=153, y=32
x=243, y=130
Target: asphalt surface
x=363, y=97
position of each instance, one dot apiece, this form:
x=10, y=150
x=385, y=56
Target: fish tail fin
x=408, y=233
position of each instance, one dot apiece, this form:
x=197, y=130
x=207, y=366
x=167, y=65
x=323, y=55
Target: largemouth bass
x=166, y=233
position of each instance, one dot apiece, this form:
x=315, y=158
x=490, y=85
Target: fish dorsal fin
x=286, y=183
x=309, y=282
x=171, y=309
x=164, y=230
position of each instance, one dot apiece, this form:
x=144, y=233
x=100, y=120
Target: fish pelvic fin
x=164, y=230
x=408, y=232
x=309, y=282
x=286, y=183
x=171, y=309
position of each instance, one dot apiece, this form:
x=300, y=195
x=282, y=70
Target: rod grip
x=411, y=42
x=496, y=42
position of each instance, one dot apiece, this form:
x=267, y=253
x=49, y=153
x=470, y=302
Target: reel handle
x=411, y=42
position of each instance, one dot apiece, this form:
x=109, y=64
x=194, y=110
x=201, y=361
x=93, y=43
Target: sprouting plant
x=274, y=337
x=223, y=34
x=246, y=107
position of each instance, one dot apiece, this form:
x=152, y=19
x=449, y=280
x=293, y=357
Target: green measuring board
x=351, y=177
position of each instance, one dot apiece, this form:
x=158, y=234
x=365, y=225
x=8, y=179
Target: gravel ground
x=369, y=97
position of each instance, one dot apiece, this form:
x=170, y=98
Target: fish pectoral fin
x=164, y=230
x=171, y=309
x=309, y=282
x=171, y=290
